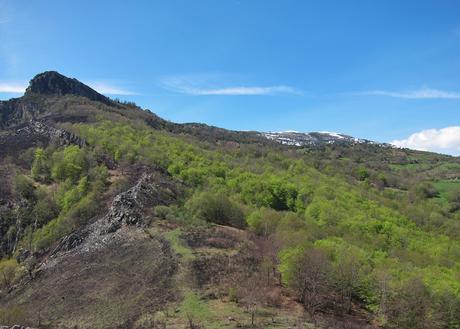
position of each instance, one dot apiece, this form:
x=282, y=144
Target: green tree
x=69, y=163
x=40, y=167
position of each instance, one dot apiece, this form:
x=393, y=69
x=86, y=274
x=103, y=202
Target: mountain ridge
x=54, y=84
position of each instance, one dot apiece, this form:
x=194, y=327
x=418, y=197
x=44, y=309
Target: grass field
x=446, y=187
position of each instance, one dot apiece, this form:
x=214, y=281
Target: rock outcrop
x=17, y=111
x=53, y=83
x=34, y=134
x=56, y=135
x=127, y=207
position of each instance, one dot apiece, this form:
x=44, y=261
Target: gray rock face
x=127, y=207
x=16, y=111
x=34, y=134
x=69, y=242
x=53, y=83
x=56, y=135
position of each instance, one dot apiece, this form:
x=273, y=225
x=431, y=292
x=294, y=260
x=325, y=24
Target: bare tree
x=348, y=273
x=311, y=279
x=409, y=306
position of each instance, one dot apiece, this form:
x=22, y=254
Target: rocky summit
x=54, y=83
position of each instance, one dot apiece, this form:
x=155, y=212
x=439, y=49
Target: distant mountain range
x=295, y=138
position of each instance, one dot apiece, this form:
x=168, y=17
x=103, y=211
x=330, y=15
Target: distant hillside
x=314, y=138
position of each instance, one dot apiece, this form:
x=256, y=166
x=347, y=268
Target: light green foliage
x=371, y=235
x=193, y=309
x=69, y=194
x=40, y=168
x=264, y=221
x=178, y=246
x=362, y=173
x=448, y=189
x=69, y=163
x=76, y=199
x=9, y=269
x=267, y=191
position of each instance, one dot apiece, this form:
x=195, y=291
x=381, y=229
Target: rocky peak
x=54, y=83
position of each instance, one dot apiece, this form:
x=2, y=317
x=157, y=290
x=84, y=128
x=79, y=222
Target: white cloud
x=425, y=93
x=187, y=85
x=445, y=140
x=242, y=90
x=108, y=89
x=12, y=88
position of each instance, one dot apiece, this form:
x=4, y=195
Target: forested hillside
x=201, y=227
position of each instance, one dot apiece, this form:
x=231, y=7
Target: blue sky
x=382, y=70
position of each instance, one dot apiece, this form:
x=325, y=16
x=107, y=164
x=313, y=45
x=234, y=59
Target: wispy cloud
x=109, y=89
x=425, y=93
x=444, y=140
x=238, y=91
x=187, y=85
x=12, y=88
x=4, y=18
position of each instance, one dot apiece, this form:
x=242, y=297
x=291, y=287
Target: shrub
x=9, y=269
x=216, y=208
x=232, y=295
x=12, y=315
x=264, y=221
x=23, y=186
